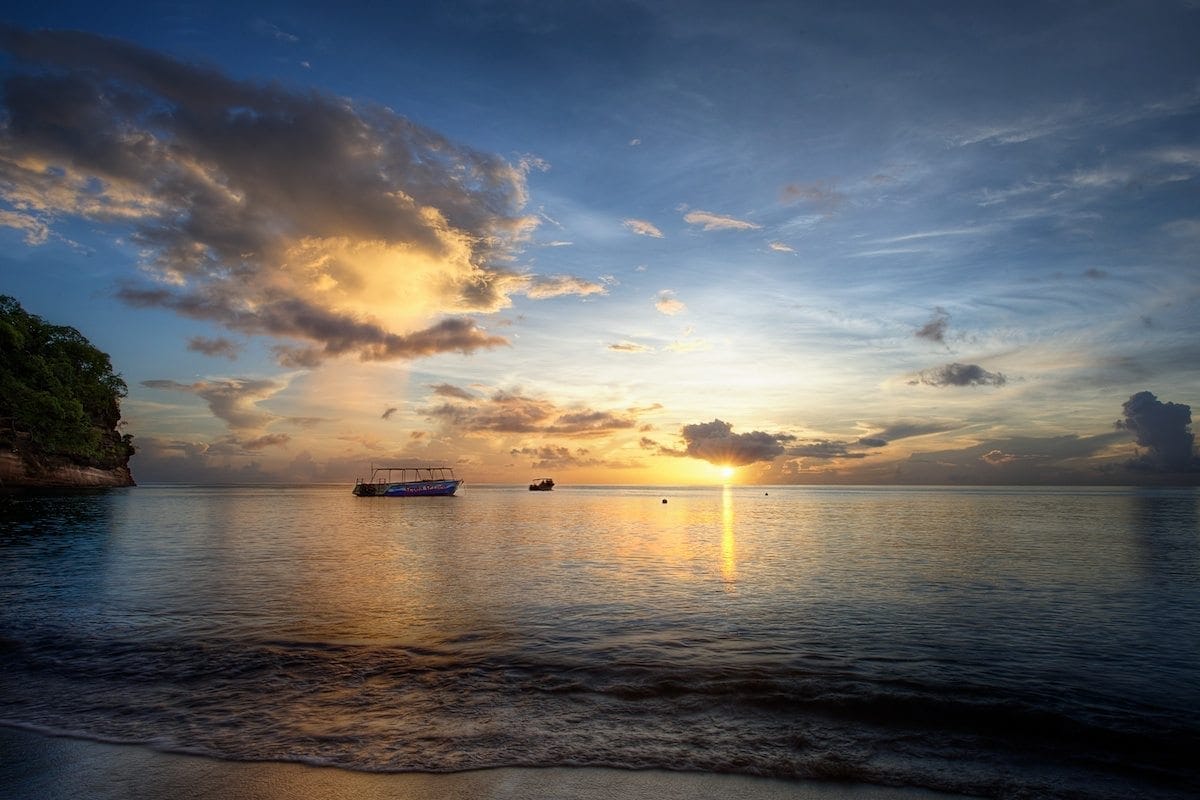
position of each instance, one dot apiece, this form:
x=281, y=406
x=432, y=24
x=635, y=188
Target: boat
x=405, y=481
x=541, y=485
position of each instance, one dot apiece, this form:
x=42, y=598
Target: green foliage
x=58, y=394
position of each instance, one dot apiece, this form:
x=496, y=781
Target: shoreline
x=41, y=766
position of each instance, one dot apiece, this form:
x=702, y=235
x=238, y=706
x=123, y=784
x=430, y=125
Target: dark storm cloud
x=716, y=443
x=1162, y=428
x=387, y=414
x=258, y=206
x=959, y=375
x=869, y=441
x=935, y=329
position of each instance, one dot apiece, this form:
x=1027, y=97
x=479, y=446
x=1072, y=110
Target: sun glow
x=727, y=472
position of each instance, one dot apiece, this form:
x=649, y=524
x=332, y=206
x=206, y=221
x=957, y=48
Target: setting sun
x=727, y=472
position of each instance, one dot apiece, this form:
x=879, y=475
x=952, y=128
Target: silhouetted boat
x=541, y=485
x=413, y=482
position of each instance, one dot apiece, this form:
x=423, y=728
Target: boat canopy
x=411, y=473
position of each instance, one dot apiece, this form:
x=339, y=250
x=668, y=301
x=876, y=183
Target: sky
x=674, y=242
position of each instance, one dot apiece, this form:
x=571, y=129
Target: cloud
x=542, y=287
x=959, y=375
x=234, y=400
x=511, y=412
x=643, y=228
x=213, y=347
x=387, y=414
x=36, y=231
x=630, y=347
x=935, y=329
x=1162, y=428
x=388, y=228
x=265, y=441
x=997, y=457
x=819, y=193
x=905, y=430
x=715, y=222
x=273, y=31
x=552, y=456
x=780, y=247
x=1066, y=460
x=337, y=334
x=716, y=443
x=450, y=390
x=668, y=304
x=827, y=449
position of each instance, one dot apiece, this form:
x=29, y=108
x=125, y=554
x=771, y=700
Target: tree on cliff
x=59, y=396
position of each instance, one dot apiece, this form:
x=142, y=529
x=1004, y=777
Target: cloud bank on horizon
x=941, y=245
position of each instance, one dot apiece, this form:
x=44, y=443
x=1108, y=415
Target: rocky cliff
x=17, y=473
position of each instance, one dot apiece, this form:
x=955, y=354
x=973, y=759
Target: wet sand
x=38, y=767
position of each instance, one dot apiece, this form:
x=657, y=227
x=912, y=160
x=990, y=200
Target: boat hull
x=434, y=488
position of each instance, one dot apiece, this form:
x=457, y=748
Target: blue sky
x=620, y=242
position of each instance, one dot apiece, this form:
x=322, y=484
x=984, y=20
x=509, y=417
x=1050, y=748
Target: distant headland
x=60, y=407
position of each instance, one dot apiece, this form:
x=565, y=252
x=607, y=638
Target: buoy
x=664, y=499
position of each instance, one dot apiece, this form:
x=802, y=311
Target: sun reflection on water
x=728, y=545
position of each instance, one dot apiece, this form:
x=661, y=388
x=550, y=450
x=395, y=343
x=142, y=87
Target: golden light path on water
x=728, y=544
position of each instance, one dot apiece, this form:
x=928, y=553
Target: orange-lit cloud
x=643, y=228
x=339, y=228
x=512, y=412
x=716, y=222
x=668, y=304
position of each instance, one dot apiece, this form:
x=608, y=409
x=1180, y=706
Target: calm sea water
x=1000, y=642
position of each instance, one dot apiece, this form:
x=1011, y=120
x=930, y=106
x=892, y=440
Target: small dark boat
x=541, y=485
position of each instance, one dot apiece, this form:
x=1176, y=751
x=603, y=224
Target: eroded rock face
x=16, y=473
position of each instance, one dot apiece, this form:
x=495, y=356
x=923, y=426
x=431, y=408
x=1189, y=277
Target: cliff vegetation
x=60, y=401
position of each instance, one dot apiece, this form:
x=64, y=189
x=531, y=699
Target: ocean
x=999, y=642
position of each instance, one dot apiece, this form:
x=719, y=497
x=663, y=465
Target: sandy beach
x=34, y=766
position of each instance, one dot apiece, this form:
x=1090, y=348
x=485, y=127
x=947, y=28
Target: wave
x=467, y=706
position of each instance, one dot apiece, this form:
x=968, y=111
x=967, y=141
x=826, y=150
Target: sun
x=727, y=472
